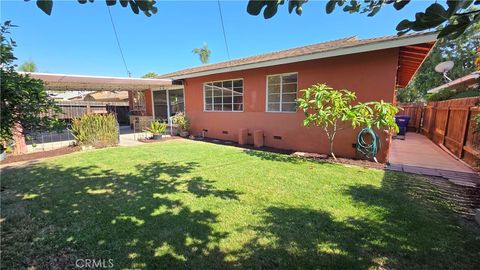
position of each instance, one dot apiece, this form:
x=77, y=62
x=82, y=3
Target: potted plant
x=182, y=122
x=157, y=129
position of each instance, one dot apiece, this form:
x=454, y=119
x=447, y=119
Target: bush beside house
x=182, y=122
x=95, y=130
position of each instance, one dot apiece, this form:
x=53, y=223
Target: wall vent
x=225, y=132
x=277, y=137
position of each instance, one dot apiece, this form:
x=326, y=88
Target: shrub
x=326, y=107
x=156, y=128
x=182, y=121
x=95, y=130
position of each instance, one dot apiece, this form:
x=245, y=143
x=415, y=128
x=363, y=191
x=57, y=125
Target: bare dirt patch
x=358, y=162
x=309, y=156
x=40, y=155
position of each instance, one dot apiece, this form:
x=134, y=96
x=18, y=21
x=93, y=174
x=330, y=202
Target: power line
x=223, y=29
x=118, y=42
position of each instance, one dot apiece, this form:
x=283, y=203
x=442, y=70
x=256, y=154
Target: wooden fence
x=415, y=111
x=450, y=124
x=72, y=109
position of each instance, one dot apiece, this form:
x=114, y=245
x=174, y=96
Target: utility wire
x=118, y=43
x=223, y=29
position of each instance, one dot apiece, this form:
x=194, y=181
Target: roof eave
x=381, y=45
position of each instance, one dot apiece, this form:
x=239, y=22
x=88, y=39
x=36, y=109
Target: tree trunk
x=20, y=145
x=331, y=149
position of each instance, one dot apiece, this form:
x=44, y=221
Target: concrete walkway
x=417, y=150
x=417, y=154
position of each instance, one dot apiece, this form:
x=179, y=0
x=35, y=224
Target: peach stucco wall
x=371, y=75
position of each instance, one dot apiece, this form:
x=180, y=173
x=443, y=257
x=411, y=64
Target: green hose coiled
x=369, y=150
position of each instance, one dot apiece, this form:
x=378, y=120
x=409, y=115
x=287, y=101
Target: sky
x=79, y=39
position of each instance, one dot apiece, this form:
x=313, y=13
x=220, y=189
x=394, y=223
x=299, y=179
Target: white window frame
x=281, y=92
x=213, y=104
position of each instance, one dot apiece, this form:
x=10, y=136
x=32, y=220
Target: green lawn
x=182, y=204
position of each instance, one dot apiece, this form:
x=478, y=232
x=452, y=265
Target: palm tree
x=28, y=66
x=203, y=52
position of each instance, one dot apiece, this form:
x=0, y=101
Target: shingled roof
x=343, y=46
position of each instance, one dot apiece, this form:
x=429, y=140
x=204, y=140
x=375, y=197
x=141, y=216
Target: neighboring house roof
x=68, y=95
x=350, y=45
x=467, y=81
x=67, y=82
x=107, y=96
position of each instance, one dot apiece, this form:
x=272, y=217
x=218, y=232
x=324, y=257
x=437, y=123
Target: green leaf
x=330, y=6
x=404, y=25
x=124, y=3
x=134, y=7
x=45, y=5
x=453, y=31
x=436, y=12
x=374, y=11
x=254, y=7
x=271, y=9
x=399, y=4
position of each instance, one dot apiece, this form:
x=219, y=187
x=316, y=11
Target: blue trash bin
x=402, y=122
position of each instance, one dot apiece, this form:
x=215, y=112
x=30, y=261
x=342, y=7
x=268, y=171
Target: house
x=465, y=83
x=67, y=95
x=259, y=92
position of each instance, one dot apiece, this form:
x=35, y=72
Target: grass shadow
x=137, y=218
x=271, y=156
x=204, y=188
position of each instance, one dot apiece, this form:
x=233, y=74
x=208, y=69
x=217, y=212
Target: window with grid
x=223, y=96
x=282, y=92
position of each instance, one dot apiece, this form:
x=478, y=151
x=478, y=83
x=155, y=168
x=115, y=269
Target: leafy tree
x=24, y=101
x=146, y=6
x=332, y=110
x=456, y=16
x=203, y=52
x=28, y=66
x=150, y=75
x=462, y=51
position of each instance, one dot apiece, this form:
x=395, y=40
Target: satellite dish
x=444, y=67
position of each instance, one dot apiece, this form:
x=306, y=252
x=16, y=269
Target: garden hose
x=369, y=150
